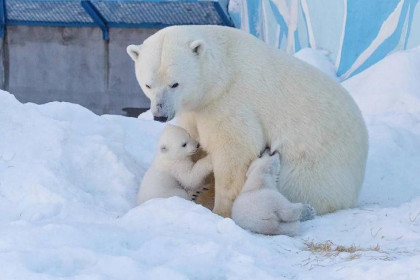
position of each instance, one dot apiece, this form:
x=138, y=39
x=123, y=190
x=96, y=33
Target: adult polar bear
x=237, y=95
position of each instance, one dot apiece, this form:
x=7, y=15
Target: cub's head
x=176, y=144
x=170, y=66
x=267, y=164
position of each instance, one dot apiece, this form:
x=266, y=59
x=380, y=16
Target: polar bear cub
x=261, y=208
x=173, y=172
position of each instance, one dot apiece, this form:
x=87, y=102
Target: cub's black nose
x=160, y=119
x=198, y=145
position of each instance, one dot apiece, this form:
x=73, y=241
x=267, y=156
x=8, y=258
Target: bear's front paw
x=207, y=163
x=308, y=213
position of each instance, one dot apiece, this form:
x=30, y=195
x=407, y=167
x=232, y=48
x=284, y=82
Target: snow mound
x=397, y=91
x=388, y=95
x=319, y=59
x=68, y=180
x=60, y=159
x=146, y=115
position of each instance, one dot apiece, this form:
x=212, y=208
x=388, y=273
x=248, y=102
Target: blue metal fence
x=112, y=13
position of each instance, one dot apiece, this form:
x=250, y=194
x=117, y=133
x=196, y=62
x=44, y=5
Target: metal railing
x=106, y=14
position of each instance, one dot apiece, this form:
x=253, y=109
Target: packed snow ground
x=68, y=180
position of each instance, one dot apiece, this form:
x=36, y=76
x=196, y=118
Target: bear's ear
x=197, y=47
x=134, y=51
x=163, y=149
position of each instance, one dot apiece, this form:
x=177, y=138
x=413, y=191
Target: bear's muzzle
x=160, y=119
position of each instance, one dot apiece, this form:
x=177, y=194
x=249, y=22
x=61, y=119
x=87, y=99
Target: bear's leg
x=206, y=196
x=290, y=212
x=289, y=229
x=227, y=189
x=230, y=166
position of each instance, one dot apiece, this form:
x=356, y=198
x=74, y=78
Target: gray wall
x=43, y=64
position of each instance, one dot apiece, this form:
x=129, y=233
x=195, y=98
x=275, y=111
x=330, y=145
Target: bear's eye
x=148, y=86
x=184, y=145
x=174, y=85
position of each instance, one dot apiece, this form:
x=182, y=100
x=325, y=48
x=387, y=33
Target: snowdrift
x=68, y=180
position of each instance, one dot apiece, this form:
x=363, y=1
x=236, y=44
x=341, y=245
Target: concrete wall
x=43, y=64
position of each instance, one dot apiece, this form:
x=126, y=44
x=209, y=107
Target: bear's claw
x=265, y=151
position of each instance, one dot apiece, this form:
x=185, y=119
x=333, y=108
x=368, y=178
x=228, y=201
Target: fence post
x=2, y=18
x=96, y=17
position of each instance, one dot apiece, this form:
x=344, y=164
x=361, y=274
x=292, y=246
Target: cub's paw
x=308, y=213
x=273, y=163
x=207, y=163
x=265, y=152
x=194, y=194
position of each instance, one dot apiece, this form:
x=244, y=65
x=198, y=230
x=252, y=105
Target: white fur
x=173, y=173
x=260, y=207
x=237, y=95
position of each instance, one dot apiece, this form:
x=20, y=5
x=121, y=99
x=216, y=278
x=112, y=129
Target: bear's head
x=176, y=144
x=175, y=69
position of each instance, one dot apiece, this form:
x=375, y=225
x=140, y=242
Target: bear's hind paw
x=308, y=213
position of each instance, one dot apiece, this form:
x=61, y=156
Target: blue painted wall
x=357, y=33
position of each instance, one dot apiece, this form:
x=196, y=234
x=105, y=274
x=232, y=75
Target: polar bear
x=236, y=94
x=173, y=173
x=261, y=208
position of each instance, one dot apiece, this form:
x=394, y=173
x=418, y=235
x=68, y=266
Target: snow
x=68, y=180
x=392, y=112
x=146, y=115
x=319, y=59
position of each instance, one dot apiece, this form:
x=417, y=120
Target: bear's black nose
x=160, y=119
x=198, y=145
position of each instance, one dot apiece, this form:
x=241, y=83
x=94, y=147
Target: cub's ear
x=197, y=47
x=134, y=51
x=163, y=149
